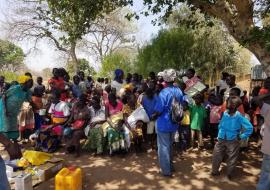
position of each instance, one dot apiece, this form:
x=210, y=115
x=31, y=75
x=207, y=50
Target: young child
x=234, y=92
x=228, y=136
x=215, y=116
x=197, y=116
x=37, y=101
x=184, y=128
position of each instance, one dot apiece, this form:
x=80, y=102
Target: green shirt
x=197, y=116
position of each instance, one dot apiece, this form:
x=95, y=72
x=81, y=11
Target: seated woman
x=95, y=133
x=115, y=121
x=129, y=101
x=78, y=120
x=49, y=137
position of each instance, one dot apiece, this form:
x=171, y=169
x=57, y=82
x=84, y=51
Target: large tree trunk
x=237, y=16
x=262, y=54
x=74, y=57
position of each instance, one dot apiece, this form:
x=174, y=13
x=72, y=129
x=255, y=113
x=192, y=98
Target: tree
x=47, y=73
x=62, y=22
x=168, y=49
x=239, y=16
x=11, y=56
x=204, y=46
x=83, y=65
x=118, y=60
x=110, y=34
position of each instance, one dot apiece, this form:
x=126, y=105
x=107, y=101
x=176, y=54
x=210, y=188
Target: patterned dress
x=95, y=140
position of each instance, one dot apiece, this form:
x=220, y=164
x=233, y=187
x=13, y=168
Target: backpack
x=176, y=111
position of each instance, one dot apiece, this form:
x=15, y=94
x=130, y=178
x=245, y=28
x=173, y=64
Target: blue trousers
x=264, y=182
x=184, y=133
x=4, y=184
x=164, y=142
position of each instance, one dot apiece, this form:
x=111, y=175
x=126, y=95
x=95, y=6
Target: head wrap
x=23, y=79
x=118, y=73
x=128, y=87
x=169, y=75
x=160, y=74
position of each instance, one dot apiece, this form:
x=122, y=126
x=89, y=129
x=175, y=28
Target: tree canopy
x=11, y=56
x=204, y=46
x=83, y=65
x=63, y=22
x=117, y=60
x=242, y=18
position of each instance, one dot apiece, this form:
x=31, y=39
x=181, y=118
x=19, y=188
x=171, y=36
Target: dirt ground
x=141, y=171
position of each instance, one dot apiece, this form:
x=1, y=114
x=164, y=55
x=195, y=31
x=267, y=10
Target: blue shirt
x=76, y=91
x=163, y=106
x=230, y=127
x=149, y=105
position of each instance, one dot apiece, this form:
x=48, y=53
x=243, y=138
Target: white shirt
x=227, y=92
x=265, y=112
x=97, y=116
x=222, y=84
x=60, y=107
x=117, y=86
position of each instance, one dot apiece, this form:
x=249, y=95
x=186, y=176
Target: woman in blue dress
x=10, y=106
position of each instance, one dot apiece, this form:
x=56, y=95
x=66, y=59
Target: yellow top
x=186, y=118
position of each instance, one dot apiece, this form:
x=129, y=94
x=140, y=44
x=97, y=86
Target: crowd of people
x=132, y=113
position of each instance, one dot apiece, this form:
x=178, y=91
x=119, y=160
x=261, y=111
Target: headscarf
x=160, y=74
x=169, y=75
x=129, y=87
x=23, y=79
x=118, y=73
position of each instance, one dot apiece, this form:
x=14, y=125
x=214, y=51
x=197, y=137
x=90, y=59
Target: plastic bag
x=36, y=158
x=138, y=115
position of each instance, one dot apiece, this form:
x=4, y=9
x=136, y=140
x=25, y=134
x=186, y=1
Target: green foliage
x=192, y=40
x=83, y=65
x=261, y=35
x=11, y=56
x=76, y=17
x=118, y=60
x=171, y=48
x=9, y=76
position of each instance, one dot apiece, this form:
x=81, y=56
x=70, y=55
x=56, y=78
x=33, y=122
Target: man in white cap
x=166, y=128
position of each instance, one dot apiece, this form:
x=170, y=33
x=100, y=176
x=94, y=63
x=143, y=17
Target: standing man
x=165, y=126
x=221, y=84
x=118, y=81
x=82, y=82
x=231, y=84
x=263, y=102
x=75, y=88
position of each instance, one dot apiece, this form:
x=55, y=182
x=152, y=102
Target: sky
x=48, y=56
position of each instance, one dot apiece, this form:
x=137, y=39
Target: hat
x=169, y=75
x=160, y=74
x=118, y=72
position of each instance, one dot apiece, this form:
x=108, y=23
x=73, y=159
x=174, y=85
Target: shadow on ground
x=135, y=172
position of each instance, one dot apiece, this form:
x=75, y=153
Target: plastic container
x=69, y=179
x=23, y=182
